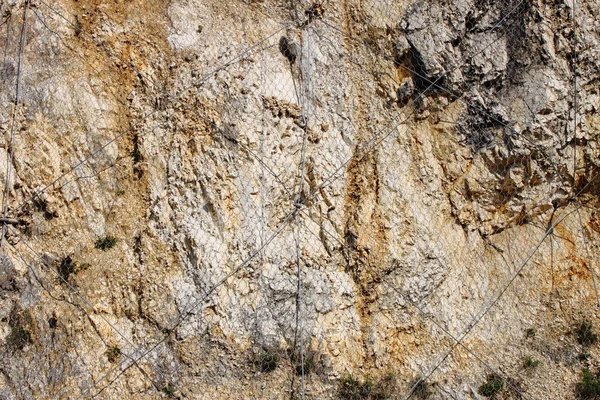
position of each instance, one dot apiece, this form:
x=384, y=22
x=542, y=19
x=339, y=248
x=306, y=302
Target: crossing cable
x=458, y=339
x=159, y=87
x=87, y=302
x=142, y=119
x=64, y=137
x=479, y=316
x=208, y=75
x=188, y=312
x=216, y=70
x=80, y=31
x=453, y=95
x=72, y=288
x=171, y=98
x=60, y=37
x=10, y=160
x=485, y=309
x=397, y=122
x=428, y=88
x=47, y=290
x=130, y=65
x=135, y=361
x=420, y=310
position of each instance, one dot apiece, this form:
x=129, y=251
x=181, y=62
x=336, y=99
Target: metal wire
x=297, y=187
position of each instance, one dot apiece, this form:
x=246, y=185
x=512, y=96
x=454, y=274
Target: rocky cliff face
x=264, y=199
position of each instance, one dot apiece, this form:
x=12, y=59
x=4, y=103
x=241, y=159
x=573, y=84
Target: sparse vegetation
x=169, y=391
x=106, y=242
x=530, y=363
x=120, y=192
x=583, y=357
x=18, y=338
x=306, y=367
x=113, y=353
x=585, y=333
x=351, y=388
x=589, y=386
x=267, y=360
x=66, y=268
x=385, y=387
x=530, y=332
x=304, y=364
x=422, y=391
x=492, y=386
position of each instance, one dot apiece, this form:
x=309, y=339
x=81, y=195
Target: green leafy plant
x=585, y=333
x=18, y=337
x=304, y=363
x=530, y=332
x=120, y=192
x=422, y=390
x=106, y=242
x=169, y=390
x=267, y=360
x=589, y=386
x=67, y=267
x=583, y=357
x=351, y=388
x=306, y=367
x=530, y=363
x=492, y=386
x=385, y=387
x=113, y=353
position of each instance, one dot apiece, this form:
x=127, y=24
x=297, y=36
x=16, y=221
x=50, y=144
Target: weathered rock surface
x=203, y=214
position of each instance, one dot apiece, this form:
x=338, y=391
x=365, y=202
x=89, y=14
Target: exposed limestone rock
x=405, y=174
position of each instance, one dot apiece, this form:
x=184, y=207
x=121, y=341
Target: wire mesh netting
x=269, y=199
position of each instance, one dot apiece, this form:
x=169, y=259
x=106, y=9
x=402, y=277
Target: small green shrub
x=583, y=357
x=18, y=338
x=120, y=192
x=422, y=391
x=306, y=367
x=385, y=387
x=492, y=386
x=113, y=353
x=267, y=360
x=530, y=332
x=351, y=388
x=106, y=242
x=169, y=390
x=66, y=268
x=530, y=363
x=585, y=333
x=589, y=387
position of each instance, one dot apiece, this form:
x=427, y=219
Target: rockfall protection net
x=273, y=199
